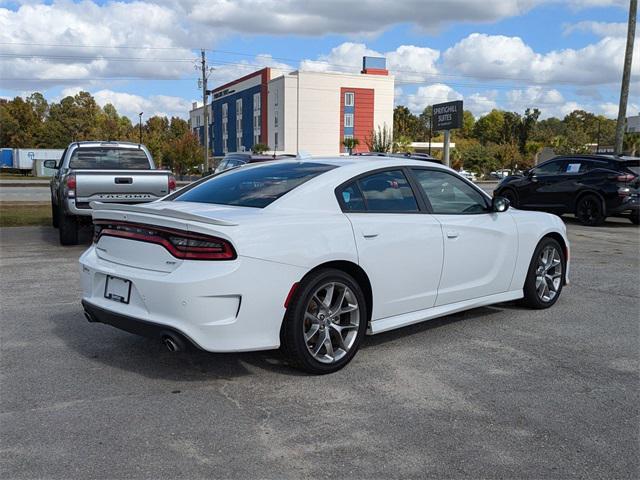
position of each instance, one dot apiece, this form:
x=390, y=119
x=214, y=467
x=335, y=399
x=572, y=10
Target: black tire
x=635, y=218
x=54, y=215
x=532, y=299
x=510, y=195
x=68, y=228
x=589, y=210
x=293, y=343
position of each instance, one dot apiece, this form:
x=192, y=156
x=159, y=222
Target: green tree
x=490, y=128
x=379, y=140
x=183, y=153
x=402, y=144
x=350, y=144
x=406, y=123
x=260, y=148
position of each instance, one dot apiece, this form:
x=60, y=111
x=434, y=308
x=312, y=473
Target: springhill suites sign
x=447, y=116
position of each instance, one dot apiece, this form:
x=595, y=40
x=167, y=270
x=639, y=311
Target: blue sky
x=512, y=54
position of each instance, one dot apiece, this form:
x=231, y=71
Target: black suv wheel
x=589, y=210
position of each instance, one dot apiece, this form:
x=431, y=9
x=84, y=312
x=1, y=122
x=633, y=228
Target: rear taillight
x=180, y=244
x=71, y=186
x=172, y=183
x=627, y=177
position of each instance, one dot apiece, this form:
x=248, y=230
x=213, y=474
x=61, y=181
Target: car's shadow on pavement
x=418, y=328
x=610, y=222
x=50, y=236
x=148, y=357
x=99, y=343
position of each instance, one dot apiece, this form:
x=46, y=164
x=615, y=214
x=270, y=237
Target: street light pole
x=140, y=126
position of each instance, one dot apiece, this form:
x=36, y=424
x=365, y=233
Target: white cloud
x=364, y=17
x=601, y=29
x=481, y=103
x=130, y=105
x=428, y=95
x=407, y=62
x=41, y=34
x=497, y=56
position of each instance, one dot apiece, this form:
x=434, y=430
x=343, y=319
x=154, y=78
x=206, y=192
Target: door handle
x=369, y=235
x=452, y=234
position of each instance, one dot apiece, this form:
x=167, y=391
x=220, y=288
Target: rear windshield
x=109, y=158
x=633, y=165
x=253, y=186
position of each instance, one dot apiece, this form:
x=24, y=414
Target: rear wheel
x=325, y=322
x=68, y=228
x=589, y=210
x=545, y=277
x=635, y=218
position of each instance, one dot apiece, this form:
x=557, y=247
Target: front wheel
x=590, y=211
x=545, y=276
x=325, y=322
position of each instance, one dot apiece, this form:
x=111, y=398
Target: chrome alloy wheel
x=548, y=273
x=331, y=322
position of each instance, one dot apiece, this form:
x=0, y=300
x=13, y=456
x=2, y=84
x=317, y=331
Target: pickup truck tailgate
x=121, y=186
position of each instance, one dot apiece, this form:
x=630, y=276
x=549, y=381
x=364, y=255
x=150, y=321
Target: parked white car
x=312, y=255
x=468, y=175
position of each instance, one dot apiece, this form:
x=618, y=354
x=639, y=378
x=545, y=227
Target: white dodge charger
x=311, y=255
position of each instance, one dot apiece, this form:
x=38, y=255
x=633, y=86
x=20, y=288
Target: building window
x=348, y=119
x=256, y=139
x=275, y=97
x=256, y=102
x=348, y=99
x=275, y=118
x=276, y=141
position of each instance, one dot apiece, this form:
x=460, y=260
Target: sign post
x=446, y=116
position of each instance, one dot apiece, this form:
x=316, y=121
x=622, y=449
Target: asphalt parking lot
x=499, y=392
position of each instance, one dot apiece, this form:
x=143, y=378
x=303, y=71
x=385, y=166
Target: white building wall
x=312, y=109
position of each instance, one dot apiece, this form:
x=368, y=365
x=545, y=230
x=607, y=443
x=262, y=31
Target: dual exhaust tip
x=170, y=340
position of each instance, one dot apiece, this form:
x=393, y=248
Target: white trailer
x=24, y=158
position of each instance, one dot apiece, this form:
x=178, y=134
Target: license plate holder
x=117, y=289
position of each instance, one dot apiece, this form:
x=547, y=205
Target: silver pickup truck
x=118, y=172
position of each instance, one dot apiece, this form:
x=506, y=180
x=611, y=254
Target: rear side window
x=388, y=192
x=253, y=186
x=352, y=198
x=109, y=158
x=631, y=165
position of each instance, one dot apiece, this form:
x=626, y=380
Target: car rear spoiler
x=159, y=212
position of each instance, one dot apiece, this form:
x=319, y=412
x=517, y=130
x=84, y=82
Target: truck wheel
x=54, y=215
x=68, y=227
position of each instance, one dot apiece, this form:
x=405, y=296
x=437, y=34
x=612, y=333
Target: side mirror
x=51, y=164
x=499, y=204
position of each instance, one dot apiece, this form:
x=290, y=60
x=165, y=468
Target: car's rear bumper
x=221, y=306
x=80, y=206
x=130, y=324
x=631, y=206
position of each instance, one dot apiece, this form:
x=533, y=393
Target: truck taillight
x=172, y=183
x=71, y=185
x=180, y=244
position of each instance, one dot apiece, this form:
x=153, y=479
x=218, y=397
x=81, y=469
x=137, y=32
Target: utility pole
x=140, y=125
x=205, y=113
x=445, y=150
x=626, y=76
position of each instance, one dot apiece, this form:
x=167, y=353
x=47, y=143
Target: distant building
x=633, y=124
x=299, y=111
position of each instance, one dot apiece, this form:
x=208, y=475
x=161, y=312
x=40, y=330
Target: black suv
x=591, y=186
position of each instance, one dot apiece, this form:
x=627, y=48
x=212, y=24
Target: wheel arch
x=565, y=247
x=582, y=193
x=356, y=272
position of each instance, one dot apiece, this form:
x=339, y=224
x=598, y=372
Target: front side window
x=549, y=168
x=449, y=194
x=109, y=158
x=254, y=186
x=388, y=192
